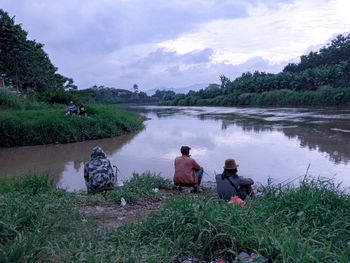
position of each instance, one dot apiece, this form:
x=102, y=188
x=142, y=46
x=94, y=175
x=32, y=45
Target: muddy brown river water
x=276, y=143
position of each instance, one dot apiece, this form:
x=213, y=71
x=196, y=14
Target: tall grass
x=310, y=223
x=44, y=124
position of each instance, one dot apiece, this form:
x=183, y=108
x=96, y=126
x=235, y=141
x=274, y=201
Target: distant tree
x=224, y=81
x=136, y=88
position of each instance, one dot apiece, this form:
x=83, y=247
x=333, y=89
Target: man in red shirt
x=187, y=170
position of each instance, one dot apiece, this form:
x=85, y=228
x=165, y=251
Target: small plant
x=141, y=186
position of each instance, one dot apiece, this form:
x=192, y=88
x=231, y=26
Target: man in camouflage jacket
x=98, y=172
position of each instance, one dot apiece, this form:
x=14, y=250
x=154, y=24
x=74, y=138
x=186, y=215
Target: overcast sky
x=175, y=43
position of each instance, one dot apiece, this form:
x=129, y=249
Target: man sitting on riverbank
x=229, y=184
x=72, y=109
x=187, y=170
x=98, y=172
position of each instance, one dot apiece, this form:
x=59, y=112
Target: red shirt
x=184, y=173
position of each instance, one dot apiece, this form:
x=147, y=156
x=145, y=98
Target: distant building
x=2, y=82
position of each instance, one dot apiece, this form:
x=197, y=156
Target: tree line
x=320, y=78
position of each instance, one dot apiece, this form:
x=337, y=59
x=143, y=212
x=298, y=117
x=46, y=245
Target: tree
x=24, y=63
x=136, y=88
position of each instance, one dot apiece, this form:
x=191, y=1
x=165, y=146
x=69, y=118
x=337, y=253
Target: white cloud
x=275, y=34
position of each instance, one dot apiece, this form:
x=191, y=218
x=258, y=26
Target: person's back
x=184, y=172
x=229, y=184
x=187, y=170
x=98, y=172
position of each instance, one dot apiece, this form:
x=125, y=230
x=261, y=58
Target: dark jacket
x=226, y=190
x=98, y=172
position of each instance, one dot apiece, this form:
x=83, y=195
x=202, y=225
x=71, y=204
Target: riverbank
x=41, y=223
x=324, y=96
x=24, y=122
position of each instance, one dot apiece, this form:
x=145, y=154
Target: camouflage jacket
x=98, y=172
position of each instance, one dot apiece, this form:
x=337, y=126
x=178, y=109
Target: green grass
x=140, y=186
x=310, y=223
x=37, y=123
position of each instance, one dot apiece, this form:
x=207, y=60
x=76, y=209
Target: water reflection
x=62, y=160
x=276, y=143
x=323, y=130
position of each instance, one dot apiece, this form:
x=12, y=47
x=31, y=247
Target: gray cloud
x=161, y=56
x=82, y=36
x=198, y=56
x=114, y=43
x=174, y=77
x=103, y=26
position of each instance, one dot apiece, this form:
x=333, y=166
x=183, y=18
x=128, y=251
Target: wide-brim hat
x=230, y=164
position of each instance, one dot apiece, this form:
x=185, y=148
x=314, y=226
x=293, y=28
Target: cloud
x=175, y=43
x=198, y=56
x=276, y=34
x=163, y=57
x=106, y=25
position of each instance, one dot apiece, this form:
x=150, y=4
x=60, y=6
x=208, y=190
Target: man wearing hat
x=187, y=170
x=229, y=184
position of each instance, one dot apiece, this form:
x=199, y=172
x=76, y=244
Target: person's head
x=71, y=102
x=185, y=150
x=97, y=152
x=231, y=166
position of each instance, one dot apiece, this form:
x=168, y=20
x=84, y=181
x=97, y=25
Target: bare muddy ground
x=113, y=215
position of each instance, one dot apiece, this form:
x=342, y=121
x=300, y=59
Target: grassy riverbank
x=324, y=96
x=310, y=223
x=26, y=122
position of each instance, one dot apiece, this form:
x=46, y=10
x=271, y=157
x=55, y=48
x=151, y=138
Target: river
x=277, y=143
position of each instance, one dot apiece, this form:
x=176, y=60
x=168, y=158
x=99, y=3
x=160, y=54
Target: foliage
x=35, y=219
x=31, y=123
x=308, y=223
x=107, y=95
x=334, y=53
x=140, y=186
x=24, y=63
x=304, y=224
x=329, y=67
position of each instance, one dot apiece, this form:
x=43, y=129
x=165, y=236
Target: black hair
x=185, y=150
x=229, y=172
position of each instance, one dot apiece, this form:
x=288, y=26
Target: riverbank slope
x=38, y=222
x=29, y=122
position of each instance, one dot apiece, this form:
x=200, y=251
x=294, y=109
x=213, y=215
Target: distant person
x=187, y=170
x=98, y=172
x=229, y=184
x=82, y=110
x=72, y=109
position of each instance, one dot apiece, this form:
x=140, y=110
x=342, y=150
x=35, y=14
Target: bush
x=9, y=100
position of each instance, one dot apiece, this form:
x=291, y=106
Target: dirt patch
x=114, y=215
